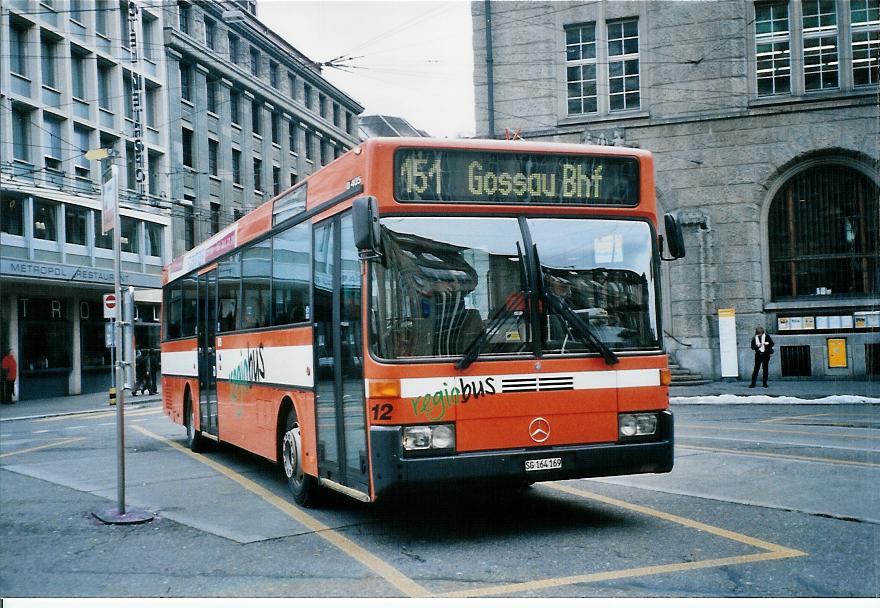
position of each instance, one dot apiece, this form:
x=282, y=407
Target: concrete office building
x=250, y=117
x=231, y=114
x=763, y=118
x=65, y=88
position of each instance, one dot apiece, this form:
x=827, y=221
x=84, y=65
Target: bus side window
x=173, y=311
x=256, y=264
x=229, y=287
x=291, y=276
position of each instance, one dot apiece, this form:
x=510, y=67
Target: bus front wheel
x=302, y=486
x=193, y=437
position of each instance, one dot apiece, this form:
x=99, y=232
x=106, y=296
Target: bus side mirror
x=674, y=237
x=365, y=220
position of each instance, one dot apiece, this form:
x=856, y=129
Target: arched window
x=823, y=234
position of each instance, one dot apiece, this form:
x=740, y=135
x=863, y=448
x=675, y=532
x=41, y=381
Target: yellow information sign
x=836, y=352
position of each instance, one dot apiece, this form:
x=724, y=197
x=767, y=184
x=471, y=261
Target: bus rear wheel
x=302, y=486
x=194, y=439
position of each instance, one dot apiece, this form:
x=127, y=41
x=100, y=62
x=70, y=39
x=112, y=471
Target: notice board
x=727, y=342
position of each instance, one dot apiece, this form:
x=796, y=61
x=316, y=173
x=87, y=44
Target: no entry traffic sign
x=110, y=306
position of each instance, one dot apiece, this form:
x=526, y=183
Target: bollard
x=112, y=396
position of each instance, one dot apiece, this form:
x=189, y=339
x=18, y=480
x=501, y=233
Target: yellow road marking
x=97, y=415
x=383, y=569
x=779, y=456
x=616, y=574
x=773, y=431
x=43, y=447
x=773, y=551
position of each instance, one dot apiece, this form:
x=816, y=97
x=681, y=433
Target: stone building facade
x=763, y=119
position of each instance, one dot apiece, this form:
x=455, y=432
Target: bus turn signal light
x=665, y=377
x=383, y=388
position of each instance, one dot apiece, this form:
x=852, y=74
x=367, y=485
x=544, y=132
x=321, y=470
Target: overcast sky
x=405, y=58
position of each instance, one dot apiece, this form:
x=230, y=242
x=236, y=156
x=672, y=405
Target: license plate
x=543, y=464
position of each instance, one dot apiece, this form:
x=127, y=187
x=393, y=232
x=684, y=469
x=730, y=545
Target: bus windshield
x=444, y=281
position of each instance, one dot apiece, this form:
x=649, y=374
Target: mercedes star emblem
x=539, y=430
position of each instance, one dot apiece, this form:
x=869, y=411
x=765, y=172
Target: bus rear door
x=207, y=353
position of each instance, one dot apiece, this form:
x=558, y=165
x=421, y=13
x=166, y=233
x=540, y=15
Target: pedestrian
x=152, y=370
x=8, y=374
x=762, y=344
x=140, y=373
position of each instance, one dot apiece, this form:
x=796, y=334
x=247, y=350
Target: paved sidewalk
x=800, y=389
x=73, y=404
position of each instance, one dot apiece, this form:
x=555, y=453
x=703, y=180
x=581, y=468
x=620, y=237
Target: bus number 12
x=382, y=412
x=418, y=179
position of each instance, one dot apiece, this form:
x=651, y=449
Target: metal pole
x=120, y=353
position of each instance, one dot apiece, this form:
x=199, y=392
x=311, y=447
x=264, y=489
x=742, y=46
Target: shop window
x=823, y=234
x=45, y=221
x=75, y=221
x=12, y=216
x=94, y=353
x=44, y=329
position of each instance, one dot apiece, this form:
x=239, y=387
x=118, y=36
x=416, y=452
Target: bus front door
x=207, y=354
x=339, y=383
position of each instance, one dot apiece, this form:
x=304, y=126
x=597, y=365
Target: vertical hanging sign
x=138, y=134
x=727, y=342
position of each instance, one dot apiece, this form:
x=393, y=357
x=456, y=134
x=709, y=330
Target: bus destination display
x=469, y=176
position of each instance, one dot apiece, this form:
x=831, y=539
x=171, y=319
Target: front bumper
x=392, y=471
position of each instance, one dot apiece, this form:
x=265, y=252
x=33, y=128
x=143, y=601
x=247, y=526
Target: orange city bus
x=424, y=313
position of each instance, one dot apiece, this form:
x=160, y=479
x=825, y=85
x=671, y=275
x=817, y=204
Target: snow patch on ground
x=768, y=400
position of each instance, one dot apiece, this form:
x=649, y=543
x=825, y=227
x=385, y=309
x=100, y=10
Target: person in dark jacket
x=762, y=344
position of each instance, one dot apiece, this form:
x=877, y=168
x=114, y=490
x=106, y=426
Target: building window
x=255, y=62
x=78, y=75
x=307, y=96
x=45, y=220
x=256, y=118
x=865, y=21
x=189, y=227
x=210, y=33
x=148, y=46
x=234, y=107
x=258, y=175
x=105, y=99
x=273, y=75
x=82, y=139
x=102, y=241
x=75, y=221
x=276, y=128
x=310, y=146
x=18, y=37
x=153, y=235
x=183, y=17
x=76, y=11
x=185, y=82
x=186, y=138
x=291, y=86
x=772, y=49
x=102, y=8
x=580, y=56
x=291, y=137
x=21, y=134
x=12, y=216
x=215, y=218
x=623, y=65
x=52, y=141
x=823, y=234
x=236, y=166
x=233, y=48
x=276, y=180
x=47, y=62
x=820, y=44
x=150, y=94
x=213, y=147
x=127, y=101
x=211, y=92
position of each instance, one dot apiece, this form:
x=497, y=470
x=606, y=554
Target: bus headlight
x=430, y=437
x=636, y=425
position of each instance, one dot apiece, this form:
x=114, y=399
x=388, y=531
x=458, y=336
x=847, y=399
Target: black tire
x=194, y=440
x=303, y=487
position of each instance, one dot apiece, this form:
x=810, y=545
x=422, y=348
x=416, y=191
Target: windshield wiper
x=563, y=309
x=511, y=306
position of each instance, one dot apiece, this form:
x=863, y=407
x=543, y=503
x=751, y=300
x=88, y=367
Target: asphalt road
x=764, y=501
